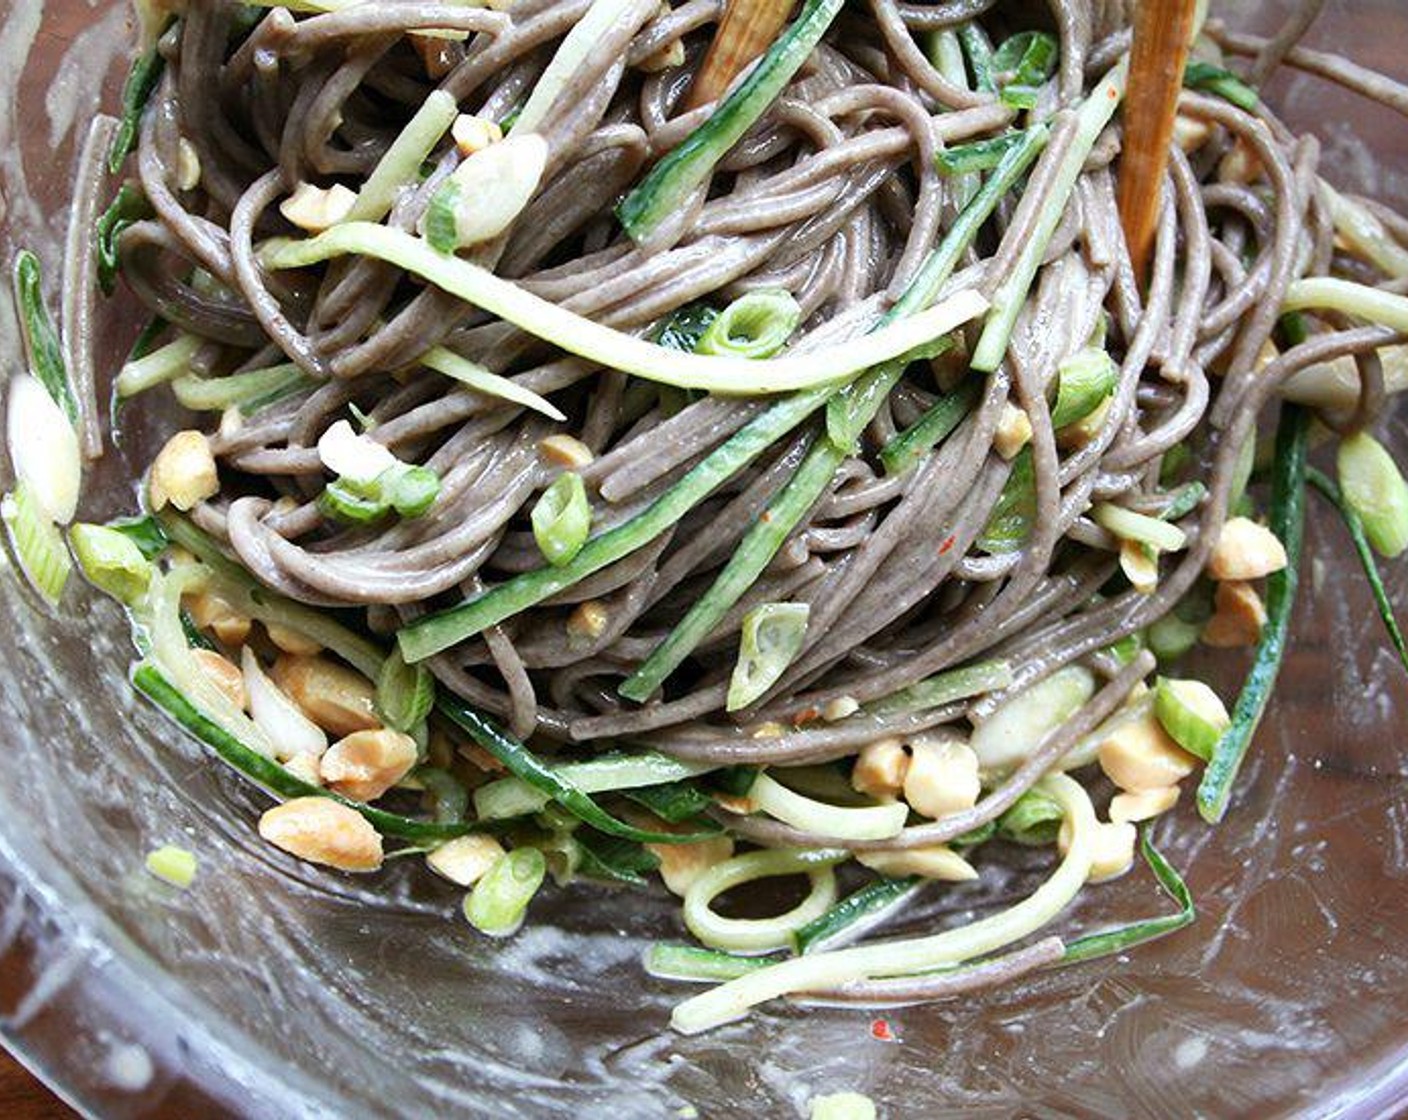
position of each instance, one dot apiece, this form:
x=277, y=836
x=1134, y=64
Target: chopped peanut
x=587, y=623
x=840, y=708
x=938, y=862
x=1142, y=806
x=565, y=451
x=224, y=674
x=1140, y=566
x=305, y=767
x=1113, y=849
x=187, y=166
x=1014, y=431
x=479, y=758
x=324, y=831
x=1240, y=164
x=880, y=769
x=317, y=208
x=338, y=699
x=473, y=134
x=1191, y=133
x=183, y=472
x=942, y=777
x=1245, y=550
x=290, y=640
x=465, y=859
x=366, y=764
x=1077, y=435
x=210, y=612
x=681, y=864
x=1139, y=754
x=666, y=58
x=1238, y=616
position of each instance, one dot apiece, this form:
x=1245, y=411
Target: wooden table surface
x=24, y=1097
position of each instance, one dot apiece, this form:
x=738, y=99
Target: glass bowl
x=272, y=989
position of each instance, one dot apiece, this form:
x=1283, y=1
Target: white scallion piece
x=44, y=449
x=357, y=458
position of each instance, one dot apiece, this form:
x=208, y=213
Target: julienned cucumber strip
x=1362, y=549
x=1288, y=523
x=523, y=764
x=150, y=681
x=863, y=906
x=670, y=182
x=1117, y=940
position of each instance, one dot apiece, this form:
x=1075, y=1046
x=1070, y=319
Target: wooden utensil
x=746, y=31
x=1163, y=30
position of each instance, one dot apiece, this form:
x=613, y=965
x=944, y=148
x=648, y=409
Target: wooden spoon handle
x=1162, y=33
x=746, y=31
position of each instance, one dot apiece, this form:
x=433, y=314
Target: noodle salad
x=576, y=481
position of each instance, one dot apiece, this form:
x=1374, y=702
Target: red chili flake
x=949, y=542
x=806, y=716
x=880, y=1030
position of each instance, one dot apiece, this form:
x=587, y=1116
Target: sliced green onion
x=835, y=822
x=562, y=519
x=842, y=1106
x=448, y=793
x=496, y=904
x=1374, y=488
x=161, y=365
x=145, y=532
x=1171, y=637
x=514, y=797
x=689, y=962
x=41, y=341
x=1130, y=526
x=755, y=935
x=410, y=490
x=526, y=766
x=1224, y=83
x=405, y=693
x=111, y=561
x=37, y=543
x=1091, y=118
x=858, y=912
x=341, y=501
x=43, y=448
x=1084, y=380
x=173, y=865
x=613, y=348
x=1010, y=522
x=1027, y=59
x=756, y=325
x=773, y=634
x=137, y=90
x=1034, y=820
x=481, y=380
x=979, y=51
x=487, y=192
x=946, y=688
x=689, y=165
x=128, y=206
x=1122, y=938
x=398, y=166
x=1183, y=501
x=1288, y=524
x=1365, y=552
x=1192, y=713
